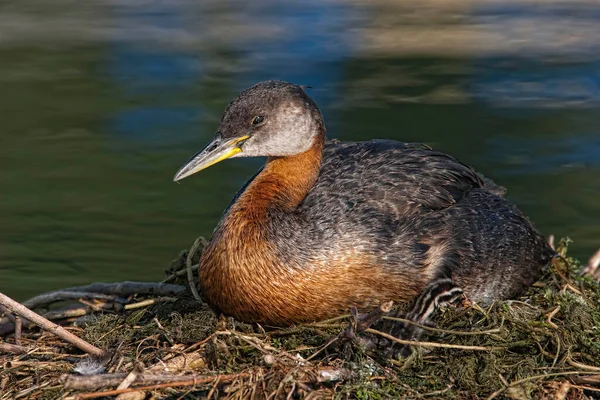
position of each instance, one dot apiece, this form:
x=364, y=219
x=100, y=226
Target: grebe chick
x=325, y=225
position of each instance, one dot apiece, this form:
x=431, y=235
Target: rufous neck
x=294, y=175
x=285, y=181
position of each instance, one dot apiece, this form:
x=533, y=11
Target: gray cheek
x=294, y=140
x=291, y=133
x=295, y=133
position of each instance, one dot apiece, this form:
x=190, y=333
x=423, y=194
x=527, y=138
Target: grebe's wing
x=405, y=176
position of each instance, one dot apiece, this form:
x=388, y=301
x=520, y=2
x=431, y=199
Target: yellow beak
x=217, y=150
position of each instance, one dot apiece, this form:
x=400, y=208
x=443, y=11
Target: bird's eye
x=257, y=120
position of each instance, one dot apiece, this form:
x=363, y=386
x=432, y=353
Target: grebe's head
x=271, y=118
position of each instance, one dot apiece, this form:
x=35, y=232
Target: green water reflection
x=94, y=127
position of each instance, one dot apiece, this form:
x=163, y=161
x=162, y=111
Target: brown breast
x=241, y=275
x=245, y=280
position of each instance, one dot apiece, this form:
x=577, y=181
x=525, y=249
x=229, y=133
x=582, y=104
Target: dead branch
x=12, y=348
x=178, y=363
x=50, y=326
x=94, y=382
x=335, y=375
x=74, y=312
x=54, y=315
x=62, y=295
x=588, y=380
x=365, y=321
x=105, y=291
x=98, y=290
x=7, y=314
x=129, y=288
x=114, y=292
x=18, y=329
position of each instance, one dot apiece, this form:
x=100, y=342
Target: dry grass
x=546, y=345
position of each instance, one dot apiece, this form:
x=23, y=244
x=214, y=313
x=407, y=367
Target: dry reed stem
x=188, y=262
x=149, y=302
x=531, y=378
x=591, y=389
x=550, y=315
x=431, y=344
x=179, y=274
x=585, y=367
x=438, y=330
x=50, y=326
x=189, y=382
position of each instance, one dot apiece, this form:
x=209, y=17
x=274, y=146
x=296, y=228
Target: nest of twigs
x=546, y=344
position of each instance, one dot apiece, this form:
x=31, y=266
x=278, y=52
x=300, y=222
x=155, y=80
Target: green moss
x=554, y=326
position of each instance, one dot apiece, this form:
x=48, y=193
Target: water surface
x=104, y=100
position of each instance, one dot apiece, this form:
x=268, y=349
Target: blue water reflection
x=305, y=53
x=526, y=84
x=110, y=98
x=553, y=63
x=311, y=50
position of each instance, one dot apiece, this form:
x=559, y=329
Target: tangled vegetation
x=545, y=345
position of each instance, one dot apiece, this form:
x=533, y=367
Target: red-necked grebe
x=325, y=226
